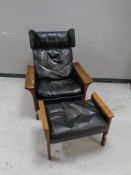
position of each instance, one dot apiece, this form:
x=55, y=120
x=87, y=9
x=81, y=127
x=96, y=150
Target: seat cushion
x=58, y=88
x=70, y=120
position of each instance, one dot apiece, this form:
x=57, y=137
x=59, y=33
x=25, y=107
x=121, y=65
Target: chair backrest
x=52, y=53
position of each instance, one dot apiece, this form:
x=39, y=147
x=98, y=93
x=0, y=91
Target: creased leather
x=53, y=63
x=53, y=58
x=68, y=120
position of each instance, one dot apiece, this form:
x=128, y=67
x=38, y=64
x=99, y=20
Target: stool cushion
x=68, y=120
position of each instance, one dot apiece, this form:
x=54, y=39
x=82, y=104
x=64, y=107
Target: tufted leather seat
x=69, y=120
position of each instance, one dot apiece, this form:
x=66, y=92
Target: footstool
x=70, y=120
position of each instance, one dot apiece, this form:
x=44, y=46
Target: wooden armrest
x=43, y=115
x=30, y=77
x=108, y=113
x=82, y=73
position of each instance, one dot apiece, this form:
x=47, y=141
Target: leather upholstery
x=52, y=53
x=70, y=120
x=41, y=40
x=61, y=98
x=53, y=58
x=53, y=64
x=58, y=88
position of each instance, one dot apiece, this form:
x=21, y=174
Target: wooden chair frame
x=107, y=114
x=30, y=86
x=30, y=82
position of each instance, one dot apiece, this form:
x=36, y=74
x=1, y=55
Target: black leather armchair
x=54, y=77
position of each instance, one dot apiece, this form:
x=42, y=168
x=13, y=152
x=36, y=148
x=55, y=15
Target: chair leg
x=48, y=144
x=85, y=87
x=35, y=103
x=103, y=140
x=84, y=93
x=36, y=106
x=49, y=150
x=37, y=115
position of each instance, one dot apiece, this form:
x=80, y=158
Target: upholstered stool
x=70, y=120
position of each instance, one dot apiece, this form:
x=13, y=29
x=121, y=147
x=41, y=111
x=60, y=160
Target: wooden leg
x=85, y=87
x=35, y=103
x=36, y=106
x=103, y=140
x=48, y=144
x=37, y=115
x=104, y=137
x=85, y=90
x=49, y=150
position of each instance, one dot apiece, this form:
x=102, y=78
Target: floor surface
x=23, y=146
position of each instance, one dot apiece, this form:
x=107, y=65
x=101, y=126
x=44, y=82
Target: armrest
x=30, y=77
x=86, y=79
x=104, y=108
x=43, y=115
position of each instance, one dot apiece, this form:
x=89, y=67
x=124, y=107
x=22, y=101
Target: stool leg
x=104, y=137
x=49, y=150
x=48, y=144
x=103, y=140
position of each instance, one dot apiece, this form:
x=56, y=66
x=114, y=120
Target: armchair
x=54, y=77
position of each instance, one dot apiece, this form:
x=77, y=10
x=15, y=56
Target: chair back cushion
x=52, y=53
x=53, y=63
